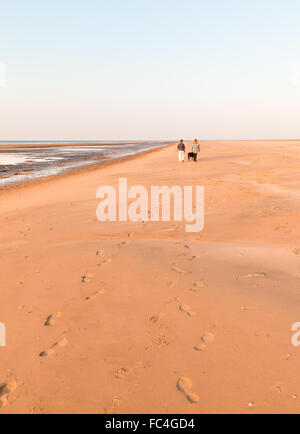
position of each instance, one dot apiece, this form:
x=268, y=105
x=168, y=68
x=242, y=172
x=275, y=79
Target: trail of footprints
x=8, y=388
x=51, y=319
x=184, y=384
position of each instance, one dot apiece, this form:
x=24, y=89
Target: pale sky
x=149, y=69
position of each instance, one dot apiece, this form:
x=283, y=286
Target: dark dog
x=191, y=156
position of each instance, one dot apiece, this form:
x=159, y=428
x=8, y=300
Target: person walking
x=195, y=149
x=181, y=151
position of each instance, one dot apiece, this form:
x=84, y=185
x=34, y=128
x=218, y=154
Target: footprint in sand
x=122, y=244
x=121, y=373
x=200, y=347
x=180, y=270
x=116, y=402
x=86, y=278
x=197, y=285
x=185, y=385
x=161, y=341
x=185, y=308
x=253, y=275
x=91, y=297
x=154, y=319
x=278, y=388
x=5, y=390
x=51, y=320
x=296, y=252
x=106, y=261
x=283, y=228
x=207, y=338
x=52, y=350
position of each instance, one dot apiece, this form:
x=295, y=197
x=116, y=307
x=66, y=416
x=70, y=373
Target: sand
x=98, y=318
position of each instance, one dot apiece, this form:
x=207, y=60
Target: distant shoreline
x=15, y=144
x=41, y=144
x=73, y=171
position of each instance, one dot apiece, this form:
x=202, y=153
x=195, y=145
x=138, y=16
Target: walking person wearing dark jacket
x=181, y=151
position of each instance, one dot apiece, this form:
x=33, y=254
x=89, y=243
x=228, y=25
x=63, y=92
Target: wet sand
x=27, y=162
x=144, y=317
x=17, y=145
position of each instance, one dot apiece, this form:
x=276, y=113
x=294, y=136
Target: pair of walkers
x=191, y=155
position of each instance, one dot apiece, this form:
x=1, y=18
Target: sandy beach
x=124, y=317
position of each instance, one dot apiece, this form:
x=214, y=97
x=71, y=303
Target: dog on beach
x=190, y=156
